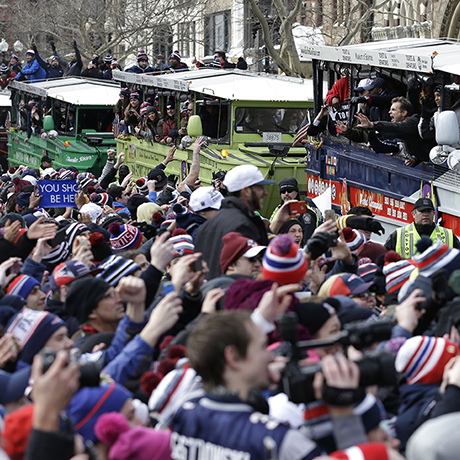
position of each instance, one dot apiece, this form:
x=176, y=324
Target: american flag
x=116, y=126
x=302, y=132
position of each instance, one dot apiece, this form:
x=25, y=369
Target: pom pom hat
x=422, y=359
x=353, y=238
x=397, y=271
x=124, y=237
x=283, y=262
x=436, y=257
x=138, y=443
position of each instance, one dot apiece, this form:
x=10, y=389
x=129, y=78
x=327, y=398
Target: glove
x=74, y=44
x=318, y=244
x=359, y=99
x=34, y=47
x=53, y=47
x=374, y=226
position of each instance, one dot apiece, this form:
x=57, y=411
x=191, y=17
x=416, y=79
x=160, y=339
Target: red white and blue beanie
x=141, y=184
x=353, y=238
x=66, y=174
x=283, y=262
x=397, y=271
x=115, y=268
x=422, y=359
x=101, y=198
x=175, y=55
x=33, y=329
x=435, y=257
x=124, y=237
x=142, y=55
x=22, y=285
x=183, y=243
x=366, y=271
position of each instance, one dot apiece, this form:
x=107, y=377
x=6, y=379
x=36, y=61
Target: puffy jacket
x=33, y=71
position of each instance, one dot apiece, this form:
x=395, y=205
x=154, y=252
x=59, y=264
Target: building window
x=217, y=32
x=187, y=39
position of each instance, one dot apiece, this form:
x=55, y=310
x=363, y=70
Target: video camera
x=376, y=368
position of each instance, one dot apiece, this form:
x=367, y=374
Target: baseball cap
x=244, y=176
x=69, y=271
x=423, y=203
x=236, y=246
x=349, y=284
x=158, y=175
x=370, y=83
x=205, y=197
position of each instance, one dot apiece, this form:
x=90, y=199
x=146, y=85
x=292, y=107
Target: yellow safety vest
x=407, y=237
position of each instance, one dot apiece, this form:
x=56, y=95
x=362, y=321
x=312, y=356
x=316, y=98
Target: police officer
x=289, y=190
x=403, y=240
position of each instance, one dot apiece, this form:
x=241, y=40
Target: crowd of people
x=36, y=68
x=157, y=319
x=388, y=117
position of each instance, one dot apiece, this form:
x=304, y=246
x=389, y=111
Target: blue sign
x=57, y=193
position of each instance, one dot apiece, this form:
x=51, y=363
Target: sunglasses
x=255, y=259
x=288, y=190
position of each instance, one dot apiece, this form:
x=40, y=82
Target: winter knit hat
x=73, y=230
x=141, y=184
x=101, y=198
x=22, y=285
x=314, y=315
x=124, y=237
x=435, y=257
x=183, y=243
x=422, y=359
x=65, y=174
x=22, y=200
x=90, y=403
x=283, y=262
x=175, y=55
x=19, y=183
x=124, y=92
x=83, y=297
x=33, y=329
x=58, y=254
x=16, y=433
x=353, y=238
x=142, y=56
x=368, y=451
x=235, y=245
x=146, y=211
x=366, y=271
x=100, y=248
x=397, y=271
x=115, y=268
x=139, y=442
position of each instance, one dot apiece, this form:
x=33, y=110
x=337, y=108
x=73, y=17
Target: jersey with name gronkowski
x=224, y=429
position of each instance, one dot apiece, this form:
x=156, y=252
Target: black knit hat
x=83, y=297
x=288, y=183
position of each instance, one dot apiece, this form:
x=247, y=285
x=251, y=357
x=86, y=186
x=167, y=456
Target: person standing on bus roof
x=32, y=69
x=75, y=66
x=404, y=239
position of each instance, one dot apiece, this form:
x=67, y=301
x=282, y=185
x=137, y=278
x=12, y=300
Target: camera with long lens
x=89, y=370
x=376, y=368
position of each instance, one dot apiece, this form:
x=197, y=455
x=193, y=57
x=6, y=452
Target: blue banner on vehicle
x=57, y=193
